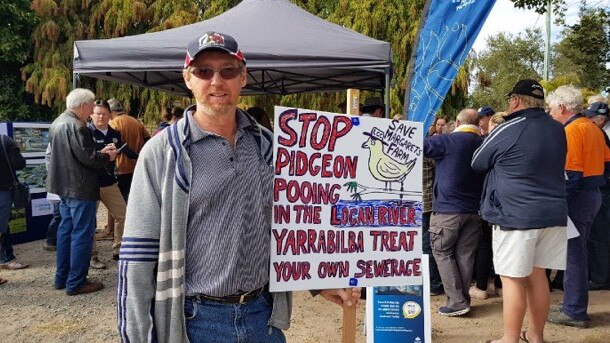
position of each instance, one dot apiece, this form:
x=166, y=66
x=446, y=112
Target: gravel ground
x=33, y=311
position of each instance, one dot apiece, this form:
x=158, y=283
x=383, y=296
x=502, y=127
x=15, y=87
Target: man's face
x=100, y=117
x=216, y=96
x=86, y=110
x=484, y=123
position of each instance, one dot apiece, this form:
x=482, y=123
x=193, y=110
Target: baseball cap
x=371, y=104
x=213, y=41
x=486, y=111
x=115, y=105
x=528, y=87
x=597, y=109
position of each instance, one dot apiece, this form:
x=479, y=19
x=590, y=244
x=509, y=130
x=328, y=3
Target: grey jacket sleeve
x=140, y=252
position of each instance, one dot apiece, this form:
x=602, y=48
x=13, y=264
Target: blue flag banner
x=447, y=31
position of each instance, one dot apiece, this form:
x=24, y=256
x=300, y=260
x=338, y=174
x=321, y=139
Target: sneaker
x=49, y=247
x=555, y=308
x=88, y=287
x=449, y=312
x=96, y=263
x=561, y=318
x=477, y=293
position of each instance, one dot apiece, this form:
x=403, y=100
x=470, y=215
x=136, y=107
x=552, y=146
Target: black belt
x=240, y=298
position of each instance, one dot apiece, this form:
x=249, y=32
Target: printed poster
x=34, y=175
x=347, y=201
x=31, y=138
x=399, y=313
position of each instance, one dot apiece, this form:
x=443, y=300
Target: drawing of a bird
x=383, y=167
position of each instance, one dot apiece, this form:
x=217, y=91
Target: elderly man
x=194, y=262
x=584, y=167
x=72, y=175
x=524, y=197
x=455, y=224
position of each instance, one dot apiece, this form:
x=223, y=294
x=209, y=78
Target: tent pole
x=75, y=80
x=387, y=92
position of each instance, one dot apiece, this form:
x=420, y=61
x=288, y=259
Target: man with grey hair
x=524, y=199
x=72, y=174
x=194, y=261
x=455, y=224
x=585, y=170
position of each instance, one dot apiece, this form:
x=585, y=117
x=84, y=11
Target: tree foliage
x=584, y=50
x=61, y=22
x=507, y=59
x=15, y=50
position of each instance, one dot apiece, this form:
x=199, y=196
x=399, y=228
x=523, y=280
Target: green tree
x=584, y=50
x=15, y=49
x=506, y=60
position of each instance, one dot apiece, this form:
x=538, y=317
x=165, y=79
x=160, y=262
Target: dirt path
x=32, y=311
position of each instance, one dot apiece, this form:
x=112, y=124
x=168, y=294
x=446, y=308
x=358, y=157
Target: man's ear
x=187, y=78
x=244, y=77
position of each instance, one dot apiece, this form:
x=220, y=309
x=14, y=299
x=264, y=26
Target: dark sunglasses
x=102, y=103
x=227, y=73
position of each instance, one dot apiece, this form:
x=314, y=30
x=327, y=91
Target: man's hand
x=110, y=150
x=347, y=297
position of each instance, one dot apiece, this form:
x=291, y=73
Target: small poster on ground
x=399, y=313
x=347, y=201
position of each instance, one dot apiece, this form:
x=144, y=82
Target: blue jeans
x=211, y=322
x=6, y=249
x=582, y=208
x=74, y=242
x=53, y=225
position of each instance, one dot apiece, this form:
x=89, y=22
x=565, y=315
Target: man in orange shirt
x=587, y=153
x=135, y=135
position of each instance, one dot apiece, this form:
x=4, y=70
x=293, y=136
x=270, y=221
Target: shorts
x=517, y=252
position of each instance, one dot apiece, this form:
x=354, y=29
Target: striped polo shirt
x=229, y=221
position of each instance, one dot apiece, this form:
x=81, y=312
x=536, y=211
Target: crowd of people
x=508, y=187
x=192, y=243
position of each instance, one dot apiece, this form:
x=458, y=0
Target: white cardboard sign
x=347, y=201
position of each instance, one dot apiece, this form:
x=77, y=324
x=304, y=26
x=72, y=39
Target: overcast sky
x=504, y=17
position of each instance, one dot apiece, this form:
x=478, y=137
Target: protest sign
x=347, y=201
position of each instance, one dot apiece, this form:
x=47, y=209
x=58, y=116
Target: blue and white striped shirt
x=229, y=220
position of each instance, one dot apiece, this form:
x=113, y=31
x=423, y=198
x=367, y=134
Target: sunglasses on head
x=102, y=103
x=205, y=73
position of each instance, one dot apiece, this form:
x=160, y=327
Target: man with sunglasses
x=194, y=262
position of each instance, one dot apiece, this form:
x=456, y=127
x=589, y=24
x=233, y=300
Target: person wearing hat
x=485, y=114
x=585, y=170
x=194, y=261
x=599, y=256
x=373, y=107
x=524, y=198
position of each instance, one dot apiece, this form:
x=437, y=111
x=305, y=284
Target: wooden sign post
x=349, y=313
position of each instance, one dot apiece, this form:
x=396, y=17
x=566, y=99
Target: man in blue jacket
x=525, y=198
x=455, y=224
